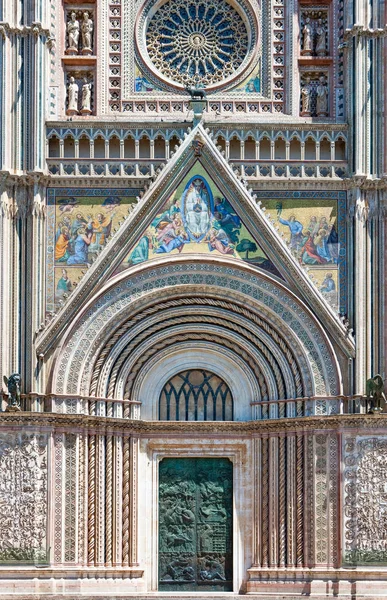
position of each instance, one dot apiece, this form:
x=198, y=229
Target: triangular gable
x=198, y=145
x=198, y=219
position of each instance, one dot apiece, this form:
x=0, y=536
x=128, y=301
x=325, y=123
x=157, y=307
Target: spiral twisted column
x=91, y=502
x=109, y=502
x=100, y=501
x=273, y=501
x=133, y=541
x=125, y=502
x=117, y=500
x=265, y=502
x=282, y=501
x=291, y=501
x=300, y=500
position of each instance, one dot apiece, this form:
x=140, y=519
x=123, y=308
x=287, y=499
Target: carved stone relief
x=23, y=497
x=71, y=501
x=365, y=500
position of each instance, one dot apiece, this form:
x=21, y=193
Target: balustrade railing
x=131, y=409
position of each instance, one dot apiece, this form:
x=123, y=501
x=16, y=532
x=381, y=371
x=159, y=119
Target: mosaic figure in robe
x=197, y=209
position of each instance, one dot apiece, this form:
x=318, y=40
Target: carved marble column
x=7, y=364
x=126, y=502
x=257, y=449
x=100, y=501
x=117, y=500
x=291, y=501
x=109, y=501
x=362, y=287
x=265, y=502
x=273, y=501
x=133, y=541
x=282, y=475
x=91, y=515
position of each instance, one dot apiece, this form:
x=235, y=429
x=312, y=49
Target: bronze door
x=195, y=524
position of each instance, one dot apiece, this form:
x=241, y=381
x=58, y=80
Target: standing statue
x=306, y=96
x=376, y=399
x=13, y=385
x=322, y=98
x=73, y=34
x=321, y=39
x=307, y=38
x=72, y=97
x=87, y=30
x=86, y=97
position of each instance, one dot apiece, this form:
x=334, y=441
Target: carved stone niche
x=79, y=31
x=79, y=92
x=314, y=93
x=314, y=32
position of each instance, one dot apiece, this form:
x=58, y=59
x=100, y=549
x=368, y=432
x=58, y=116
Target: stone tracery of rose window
x=197, y=44
x=200, y=43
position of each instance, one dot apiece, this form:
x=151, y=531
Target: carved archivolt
x=282, y=344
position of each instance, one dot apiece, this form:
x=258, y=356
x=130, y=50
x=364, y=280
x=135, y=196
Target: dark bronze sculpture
x=196, y=93
x=13, y=384
x=376, y=398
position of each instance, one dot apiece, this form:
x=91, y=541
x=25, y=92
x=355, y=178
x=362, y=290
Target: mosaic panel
x=314, y=225
x=198, y=219
x=80, y=222
x=141, y=83
x=251, y=85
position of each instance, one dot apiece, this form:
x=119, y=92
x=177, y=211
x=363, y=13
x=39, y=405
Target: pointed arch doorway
x=195, y=524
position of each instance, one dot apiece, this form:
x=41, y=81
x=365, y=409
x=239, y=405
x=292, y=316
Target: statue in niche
x=86, y=97
x=72, y=97
x=376, y=398
x=307, y=38
x=321, y=39
x=13, y=384
x=322, y=98
x=73, y=34
x=87, y=30
x=306, y=96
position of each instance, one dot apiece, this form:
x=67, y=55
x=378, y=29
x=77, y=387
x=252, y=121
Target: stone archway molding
x=179, y=277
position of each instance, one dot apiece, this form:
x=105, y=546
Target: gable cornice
x=197, y=144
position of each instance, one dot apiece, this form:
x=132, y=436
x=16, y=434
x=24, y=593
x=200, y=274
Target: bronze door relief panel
x=195, y=524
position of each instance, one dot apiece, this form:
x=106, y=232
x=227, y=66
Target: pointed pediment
x=198, y=219
x=221, y=216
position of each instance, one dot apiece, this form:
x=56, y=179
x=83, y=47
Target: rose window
x=197, y=42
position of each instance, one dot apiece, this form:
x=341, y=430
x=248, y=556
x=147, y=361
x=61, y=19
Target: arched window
x=196, y=395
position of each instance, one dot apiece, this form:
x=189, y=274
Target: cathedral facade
x=193, y=298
